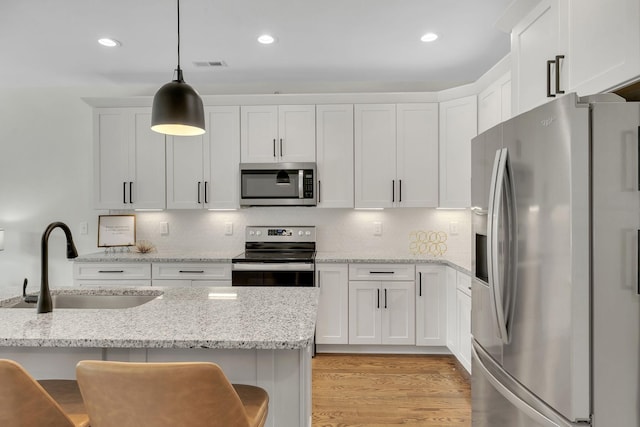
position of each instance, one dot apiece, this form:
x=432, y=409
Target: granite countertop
x=164, y=256
x=220, y=317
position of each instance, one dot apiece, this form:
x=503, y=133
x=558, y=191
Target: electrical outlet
x=164, y=228
x=377, y=228
x=453, y=228
x=84, y=228
x=228, y=228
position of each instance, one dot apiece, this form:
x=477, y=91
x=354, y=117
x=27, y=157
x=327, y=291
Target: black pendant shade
x=177, y=107
x=282, y=178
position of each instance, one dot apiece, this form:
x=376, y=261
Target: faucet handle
x=25, y=297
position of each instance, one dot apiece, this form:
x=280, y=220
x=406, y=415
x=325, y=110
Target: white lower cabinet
x=332, y=323
x=431, y=312
x=381, y=311
x=191, y=274
x=111, y=274
x=458, y=291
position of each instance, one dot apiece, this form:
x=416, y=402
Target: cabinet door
x=463, y=310
x=494, y=103
x=364, y=313
x=334, y=155
x=221, y=169
x=398, y=305
x=185, y=176
x=148, y=172
x=452, y=317
x=535, y=40
x=417, y=155
x=458, y=125
x=296, y=133
x=111, y=158
x=431, y=306
x=604, y=44
x=258, y=134
x=332, y=324
x=375, y=154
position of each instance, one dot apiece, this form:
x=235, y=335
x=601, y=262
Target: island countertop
x=216, y=317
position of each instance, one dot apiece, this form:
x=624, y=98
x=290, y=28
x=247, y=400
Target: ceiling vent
x=209, y=64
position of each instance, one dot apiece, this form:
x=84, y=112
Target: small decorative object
x=116, y=230
x=428, y=242
x=144, y=247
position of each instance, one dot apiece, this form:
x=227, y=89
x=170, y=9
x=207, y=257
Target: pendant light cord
x=178, y=2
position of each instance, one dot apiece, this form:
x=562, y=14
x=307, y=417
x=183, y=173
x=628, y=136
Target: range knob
x=251, y=233
x=258, y=233
x=300, y=233
x=307, y=233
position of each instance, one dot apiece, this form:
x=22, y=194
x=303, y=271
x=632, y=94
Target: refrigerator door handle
x=495, y=203
x=548, y=419
x=503, y=293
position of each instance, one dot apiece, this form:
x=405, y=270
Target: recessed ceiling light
x=266, y=39
x=429, y=37
x=109, y=42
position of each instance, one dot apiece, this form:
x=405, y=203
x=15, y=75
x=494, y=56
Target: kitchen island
x=260, y=336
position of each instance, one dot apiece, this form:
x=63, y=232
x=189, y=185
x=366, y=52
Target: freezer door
x=499, y=401
x=547, y=346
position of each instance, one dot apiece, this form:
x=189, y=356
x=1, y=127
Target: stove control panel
x=280, y=234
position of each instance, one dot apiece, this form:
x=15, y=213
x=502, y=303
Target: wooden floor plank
x=388, y=390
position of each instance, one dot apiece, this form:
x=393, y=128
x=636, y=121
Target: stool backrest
x=23, y=402
x=122, y=394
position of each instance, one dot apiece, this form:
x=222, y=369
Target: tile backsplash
x=431, y=233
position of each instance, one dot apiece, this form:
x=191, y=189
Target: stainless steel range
x=276, y=256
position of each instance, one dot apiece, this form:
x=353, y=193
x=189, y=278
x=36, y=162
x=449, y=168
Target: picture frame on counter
x=116, y=231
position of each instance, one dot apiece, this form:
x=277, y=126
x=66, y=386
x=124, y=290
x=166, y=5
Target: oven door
x=273, y=274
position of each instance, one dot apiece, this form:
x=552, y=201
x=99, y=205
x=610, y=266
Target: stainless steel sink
x=93, y=301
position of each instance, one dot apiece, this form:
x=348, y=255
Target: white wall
x=46, y=175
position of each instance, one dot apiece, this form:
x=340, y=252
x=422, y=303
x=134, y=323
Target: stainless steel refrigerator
x=555, y=297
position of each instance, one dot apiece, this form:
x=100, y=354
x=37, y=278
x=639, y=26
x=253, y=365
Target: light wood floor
x=389, y=390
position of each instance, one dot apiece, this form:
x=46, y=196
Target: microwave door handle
x=300, y=184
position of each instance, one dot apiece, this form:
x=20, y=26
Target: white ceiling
x=323, y=45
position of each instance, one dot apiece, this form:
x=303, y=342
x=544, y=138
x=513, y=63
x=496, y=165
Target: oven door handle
x=272, y=266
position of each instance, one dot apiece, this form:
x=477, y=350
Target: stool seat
x=67, y=394
x=255, y=401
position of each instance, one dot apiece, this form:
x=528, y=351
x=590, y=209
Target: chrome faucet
x=45, y=304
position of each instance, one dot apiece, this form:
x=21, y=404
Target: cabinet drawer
x=192, y=271
x=112, y=283
x=463, y=283
x=111, y=271
x=382, y=272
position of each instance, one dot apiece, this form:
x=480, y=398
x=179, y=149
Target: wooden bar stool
x=122, y=394
x=27, y=402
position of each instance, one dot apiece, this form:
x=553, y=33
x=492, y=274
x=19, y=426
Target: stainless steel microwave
x=277, y=184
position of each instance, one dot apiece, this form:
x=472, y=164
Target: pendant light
x=177, y=107
x=282, y=178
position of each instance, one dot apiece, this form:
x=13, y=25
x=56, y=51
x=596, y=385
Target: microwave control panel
x=307, y=184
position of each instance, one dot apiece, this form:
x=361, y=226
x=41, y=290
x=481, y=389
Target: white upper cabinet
x=375, y=155
x=417, y=155
x=494, y=103
x=334, y=155
x=458, y=125
x=396, y=155
x=129, y=160
x=535, y=41
x=202, y=171
x=278, y=133
x=583, y=46
x=604, y=44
